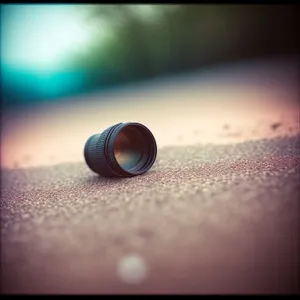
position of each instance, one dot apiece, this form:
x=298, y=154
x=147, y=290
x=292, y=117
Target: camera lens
x=124, y=150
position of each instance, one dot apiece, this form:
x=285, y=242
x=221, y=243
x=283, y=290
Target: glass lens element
x=128, y=148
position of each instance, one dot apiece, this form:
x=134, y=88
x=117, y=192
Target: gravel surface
x=204, y=219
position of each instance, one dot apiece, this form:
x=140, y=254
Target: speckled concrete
x=204, y=219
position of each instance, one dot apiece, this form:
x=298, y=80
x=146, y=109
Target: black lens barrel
x=102, y=152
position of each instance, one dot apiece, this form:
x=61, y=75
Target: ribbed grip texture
x=95, y=156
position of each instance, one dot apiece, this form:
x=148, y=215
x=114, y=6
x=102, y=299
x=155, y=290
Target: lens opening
x=130, y=148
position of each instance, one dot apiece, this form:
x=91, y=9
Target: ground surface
x=217, y=213
x=211, y=219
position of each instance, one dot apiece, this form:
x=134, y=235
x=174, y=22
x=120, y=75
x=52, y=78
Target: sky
x=41, y=36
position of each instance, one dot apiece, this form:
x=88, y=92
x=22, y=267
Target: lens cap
x=122, y=150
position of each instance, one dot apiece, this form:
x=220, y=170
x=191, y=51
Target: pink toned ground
x=217, y=213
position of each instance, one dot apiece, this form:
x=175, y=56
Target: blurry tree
x=143, y=41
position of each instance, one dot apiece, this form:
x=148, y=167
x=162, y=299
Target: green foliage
x=143, y=41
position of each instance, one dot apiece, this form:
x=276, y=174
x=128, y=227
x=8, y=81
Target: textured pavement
x=204, y=219
x=217, y=213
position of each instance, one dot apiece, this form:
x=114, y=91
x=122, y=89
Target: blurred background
x=52, y=51
x=60, y=57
